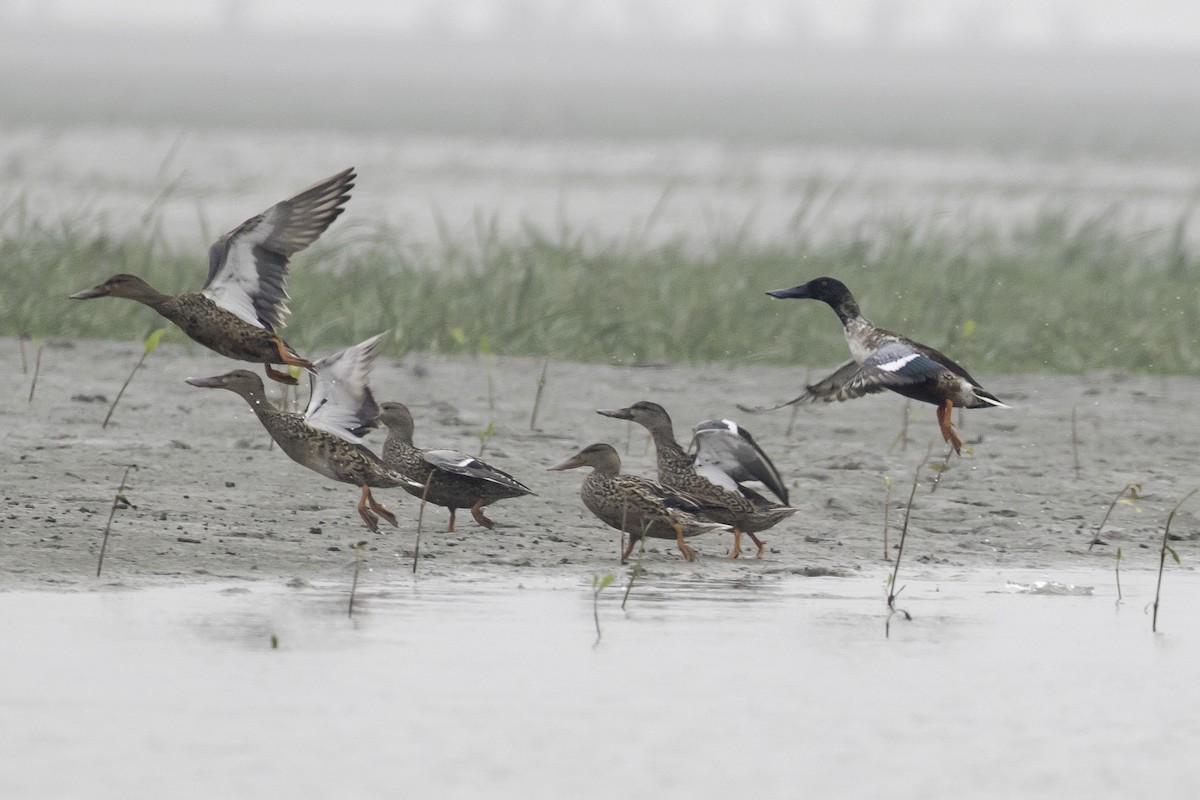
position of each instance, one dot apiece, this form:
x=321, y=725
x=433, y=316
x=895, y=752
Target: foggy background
x=712, y=118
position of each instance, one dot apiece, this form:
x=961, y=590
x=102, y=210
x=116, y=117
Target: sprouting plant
x=599, y=584
x=1134, y=490
x=21, y=339
x=485, y=347
x=274, y=641
x=151, y=345
x=1162, y=556
x=1118, y=573
x=887, y=503
x=421, y=521
x=358, y=548
x=1075, y=442
x=485, y=435
x=37, y=368
x=902, y=437
x=119, y=501
x=537, y=398
x=893, y=592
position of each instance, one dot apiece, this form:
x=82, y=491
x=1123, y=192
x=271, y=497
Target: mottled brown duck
x=446, y=478
x=709, y=474
x=635, y=505
x=881, y=359
x=244, y=300
x=326, y=438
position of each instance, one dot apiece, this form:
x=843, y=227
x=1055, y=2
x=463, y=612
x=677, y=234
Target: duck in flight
x=881, y=359
x=244, y=300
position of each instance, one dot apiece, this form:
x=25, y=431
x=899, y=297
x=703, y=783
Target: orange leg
x=289, y=358
x=759, y=543
x=281, y=377
x=379, y=509
x=737, y=544
x=628, y=549
x=688, y=553
x=368, y=518
x=946, y=423
x=477, y=513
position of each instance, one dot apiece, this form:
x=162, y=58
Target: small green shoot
x=537, y=398
x=1075, y=442
x=1162, y=556
x=119, y=501
x=599, y=584
x=485, y=436
x=1118, y=573
x=151, y=345
x=887, y=503
x=421, y=521
x=902, y=437
x=274, y=641
x=637, y=570
x=21, y=338
x=893, y=592
x=1134, y=490
x=358, y=548
x=37, y=368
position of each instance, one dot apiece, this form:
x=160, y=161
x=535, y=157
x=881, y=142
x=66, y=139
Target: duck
x=715, y=474
x=443, y=477
x=881, y=359
x=327, y=437
x=636, y=505
x=244, y=299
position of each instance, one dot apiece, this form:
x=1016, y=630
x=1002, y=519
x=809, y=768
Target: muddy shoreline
x=214, y=501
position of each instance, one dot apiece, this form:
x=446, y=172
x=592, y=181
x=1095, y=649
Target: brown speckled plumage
x=455, y=480
x=244, y=299
x=635, y=505
x=744, y=511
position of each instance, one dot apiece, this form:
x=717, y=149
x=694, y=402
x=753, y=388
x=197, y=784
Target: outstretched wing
x=841, y=375
x=727, y=455
x=459, y=463
x=340, y=400
x=895, y=364
x=247, y=267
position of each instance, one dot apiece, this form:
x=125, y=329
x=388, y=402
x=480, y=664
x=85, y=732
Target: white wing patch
x=340, y=401
x=897, y=364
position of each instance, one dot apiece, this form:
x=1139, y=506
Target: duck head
x=827, y=290
x=600, y=456
x=648, y=415
x=240, y=381
x=398, y=420
x=121, y=285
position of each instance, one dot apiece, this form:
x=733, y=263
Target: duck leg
x=280, y=377
x=759, y=543
x=737, y=544
x=477, y=513
x=688, y=553
x=377, y=508
x=946, y=424
x=368, y=518
x=628, y=550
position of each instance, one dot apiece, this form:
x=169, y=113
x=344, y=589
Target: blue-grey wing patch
x=727, y=455
x=459, y=463
x=247, y=267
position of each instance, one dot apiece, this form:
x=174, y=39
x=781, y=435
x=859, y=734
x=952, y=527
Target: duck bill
x=88, y=294
x=215, y=382
x=616, y=413
x=574, y=462
x=801, y=291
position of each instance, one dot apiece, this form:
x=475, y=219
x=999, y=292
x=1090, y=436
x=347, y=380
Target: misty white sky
x=1171, y=24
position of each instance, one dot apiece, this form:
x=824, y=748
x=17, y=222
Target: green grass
x=1049, y=293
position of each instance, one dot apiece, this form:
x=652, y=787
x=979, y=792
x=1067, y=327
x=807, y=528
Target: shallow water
x=783, y=686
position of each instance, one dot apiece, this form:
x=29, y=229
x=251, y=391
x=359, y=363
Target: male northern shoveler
x=715, y=473
x=245, y=299
x=326, y=438
x=455, y=480
x=638, y=506
x=885, y=360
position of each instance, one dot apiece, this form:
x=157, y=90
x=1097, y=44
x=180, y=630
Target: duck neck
x=847, y=310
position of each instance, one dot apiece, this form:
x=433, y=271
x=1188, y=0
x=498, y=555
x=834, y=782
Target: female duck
x=244, y=298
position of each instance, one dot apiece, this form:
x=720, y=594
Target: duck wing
x=893, y=365
x=247, y=267
x=459, y=463
x=340, y=400
x=727, y=454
